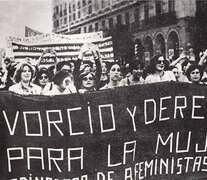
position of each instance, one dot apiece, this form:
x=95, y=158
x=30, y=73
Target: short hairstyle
x=153, y=63
x=60, y=76
x=134, y=64
x=191, y=68
x=7, y=59
x=40, y=72
x=19, y=70
x=82, y=75
x=61, y=64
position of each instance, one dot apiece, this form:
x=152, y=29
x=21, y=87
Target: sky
x=16, y=14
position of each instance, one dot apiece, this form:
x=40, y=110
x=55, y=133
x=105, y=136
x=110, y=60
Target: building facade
x=162, y=26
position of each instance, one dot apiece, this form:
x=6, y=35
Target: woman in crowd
x=23, y=77
x=62, y=84
x=114, y=77
x=136, y=74
x=194, y=74
x=175, y=71
x=43, y=78
x=104, y=76
x=88, y=82
x=157, y=72
x=82, y=65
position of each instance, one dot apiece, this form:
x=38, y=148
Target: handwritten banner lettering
x=155, y=131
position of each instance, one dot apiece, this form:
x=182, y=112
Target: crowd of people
x=89, y=73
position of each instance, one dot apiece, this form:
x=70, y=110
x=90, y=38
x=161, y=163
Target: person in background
x=23, y=77
x=157, y=72
x=136, y=70
x=10, y=69
x=114, y=77
x=2, y=82
x=62, y=84
x=88, y=82
x=175, y=71
x=194, y=73
x=104, y=76
x=43, y=78
x=85, y=64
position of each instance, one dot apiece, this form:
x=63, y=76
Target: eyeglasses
x=87, y=78
x=160, y=61
x=41, y=77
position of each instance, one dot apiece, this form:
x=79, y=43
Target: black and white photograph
x=103, y=89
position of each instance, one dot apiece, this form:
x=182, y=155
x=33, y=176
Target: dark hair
x=60, y=76
x=40, y=72
x=191, y=68
x=82, y=75
x=135, y=64
x=61, y=64
x=7, y=59
x=154, y=61
x=18, y=72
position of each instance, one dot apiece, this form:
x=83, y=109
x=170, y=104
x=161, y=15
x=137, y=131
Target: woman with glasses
x=114, y=77
x=23, y=77
x=156, y=70
x=43, y=78
x=88, y=82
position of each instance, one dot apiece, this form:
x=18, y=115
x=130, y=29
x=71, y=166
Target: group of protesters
x=89, y=73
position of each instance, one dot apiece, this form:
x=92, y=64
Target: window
x=65, y=20
x=79, y=14
x=74, y=17
x=69, y=8
x=89, y=9
x=119, y=20
x=73, y=7
x=84, y=2
x=158, y=7
x=171, y=5
x=78, y=4
x=103, y=23
x=127, y=20
x=90, y=29
x=57, y=10
x=136, y=15
x=69, y=18
x=102, y=3
x=146, y=11
x=111, y=23
x=85, y=29
x=96, y=26
x=57, y=23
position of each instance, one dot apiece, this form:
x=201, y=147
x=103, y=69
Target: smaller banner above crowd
x=52, y=37
x=67, y=47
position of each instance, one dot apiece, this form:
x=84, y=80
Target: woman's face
x=176, y=73
x=137, y=72
x=195, y=75
x=104, y=68
x=160, y=64
x=115, y=73
x=26, y=74
x=88, y=81
x=43, y=79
